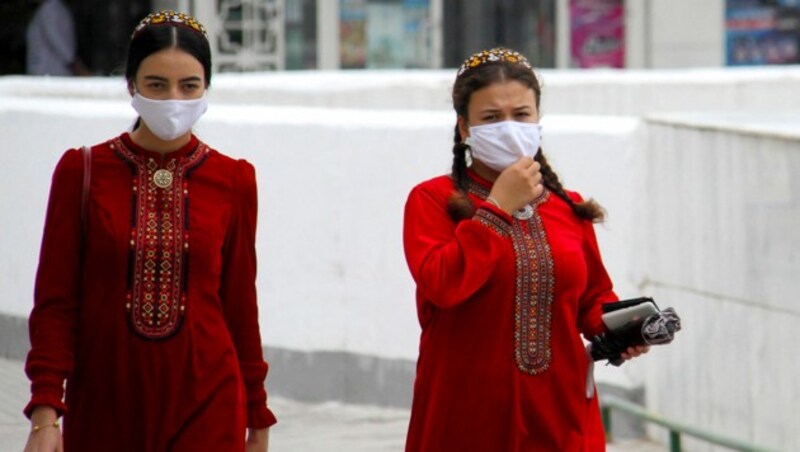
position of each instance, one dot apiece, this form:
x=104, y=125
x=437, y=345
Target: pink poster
x=597, y=30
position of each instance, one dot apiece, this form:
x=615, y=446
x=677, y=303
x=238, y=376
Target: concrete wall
x=332, y=186
x=686, y=33
x=572, y=92
x=719, y=238
x=674, y=34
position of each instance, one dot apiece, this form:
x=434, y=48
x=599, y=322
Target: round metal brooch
x=524, y=213
x=162, y=178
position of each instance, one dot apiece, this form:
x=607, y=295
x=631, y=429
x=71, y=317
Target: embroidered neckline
x=534, y=287
x=159, y=240
x=136, y=149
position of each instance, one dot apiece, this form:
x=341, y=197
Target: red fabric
x=198, y=389
x=469, y=393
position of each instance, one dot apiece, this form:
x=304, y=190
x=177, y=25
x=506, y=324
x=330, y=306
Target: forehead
x=169, y=63
x=506, y=93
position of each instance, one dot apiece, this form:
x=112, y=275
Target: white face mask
x=501, y=144
x=169, y=119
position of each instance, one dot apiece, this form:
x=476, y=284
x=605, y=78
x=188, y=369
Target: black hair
x=154, y=38
x=473, y=79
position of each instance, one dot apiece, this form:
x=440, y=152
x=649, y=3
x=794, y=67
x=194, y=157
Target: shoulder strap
x=87, y=178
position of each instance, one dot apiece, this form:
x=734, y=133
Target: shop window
x=379, y=34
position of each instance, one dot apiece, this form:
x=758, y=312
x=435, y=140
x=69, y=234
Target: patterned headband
x=494, y=55
x=169, y=17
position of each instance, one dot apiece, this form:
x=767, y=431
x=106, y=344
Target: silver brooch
x=524, y=213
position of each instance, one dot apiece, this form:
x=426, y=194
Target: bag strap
x=87, y=179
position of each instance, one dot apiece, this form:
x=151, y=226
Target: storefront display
x=762, y=32
x=597, y=33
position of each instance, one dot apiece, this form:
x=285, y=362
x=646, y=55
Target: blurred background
x=403, y=34
x=680, y=117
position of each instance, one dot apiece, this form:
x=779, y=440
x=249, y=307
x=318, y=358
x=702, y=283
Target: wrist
x=44, y=414
x=493, y=201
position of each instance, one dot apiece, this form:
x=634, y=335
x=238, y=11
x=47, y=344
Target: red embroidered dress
x=157, y=334
x=502, y=303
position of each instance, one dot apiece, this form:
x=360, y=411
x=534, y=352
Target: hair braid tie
x=459, y=206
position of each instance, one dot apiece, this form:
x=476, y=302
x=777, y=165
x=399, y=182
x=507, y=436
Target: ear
x=463, y=127
x=131, y=88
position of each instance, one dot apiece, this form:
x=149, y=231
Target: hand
x=47, y=439
x=257, y=440
x=518, y=185
x=633, y=352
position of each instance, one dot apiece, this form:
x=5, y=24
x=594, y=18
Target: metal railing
x=676, y=429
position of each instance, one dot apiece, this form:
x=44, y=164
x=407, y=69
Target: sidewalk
x=327, y=427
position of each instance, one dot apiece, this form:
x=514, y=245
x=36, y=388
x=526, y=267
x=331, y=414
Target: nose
x=175, y=92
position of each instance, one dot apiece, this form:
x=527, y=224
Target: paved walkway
x=327, y=427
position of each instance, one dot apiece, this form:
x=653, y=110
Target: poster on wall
x=385, y=35
x=417, y=28
x=759, y=32
x=597, y=33
x=353, y=33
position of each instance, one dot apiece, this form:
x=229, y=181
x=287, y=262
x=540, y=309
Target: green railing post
x=674, y=441
x=605, y=412
x=676, y=428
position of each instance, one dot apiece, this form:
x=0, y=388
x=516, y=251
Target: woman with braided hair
x=508, y=276
x=145, y=302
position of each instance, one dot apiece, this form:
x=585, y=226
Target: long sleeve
x=599, y=288
x=59, y=31
x=238, y=293
x=53, y=320
x=451, y=262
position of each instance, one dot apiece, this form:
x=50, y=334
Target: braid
x=459, y=206
x=588, y=210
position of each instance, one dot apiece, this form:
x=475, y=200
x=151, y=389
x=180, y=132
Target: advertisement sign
x=353, y=33
x=761, y=32
x=384, y=33
x=597, y=32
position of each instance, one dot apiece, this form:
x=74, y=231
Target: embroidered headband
x=169, y=17
x=494, y=55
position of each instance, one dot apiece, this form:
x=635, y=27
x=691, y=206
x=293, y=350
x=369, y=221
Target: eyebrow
x=192, y=78
x=495, y=110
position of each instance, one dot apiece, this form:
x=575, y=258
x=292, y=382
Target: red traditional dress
x=501, y=302
x=156, y=333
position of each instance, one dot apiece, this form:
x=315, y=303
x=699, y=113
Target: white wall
x=720, y=239
x=574, y=92
x=686, y=33
x=333, y=184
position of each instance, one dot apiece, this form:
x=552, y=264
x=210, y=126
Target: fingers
x=529, y=167
x=531, y=172
x=528, y=163
x=525, y=161
x=633, y=352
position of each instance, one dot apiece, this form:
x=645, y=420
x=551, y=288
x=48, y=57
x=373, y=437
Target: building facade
x=258, y=35
x=379, y=34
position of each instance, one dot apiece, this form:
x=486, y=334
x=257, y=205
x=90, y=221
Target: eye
x=155, y=85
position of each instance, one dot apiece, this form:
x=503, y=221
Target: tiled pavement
x=327, y=427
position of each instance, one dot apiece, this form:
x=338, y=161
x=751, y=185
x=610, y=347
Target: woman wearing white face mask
x=508, y=277
x=145, y=302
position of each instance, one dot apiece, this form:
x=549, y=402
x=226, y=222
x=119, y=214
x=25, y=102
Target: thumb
x=524, y=162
